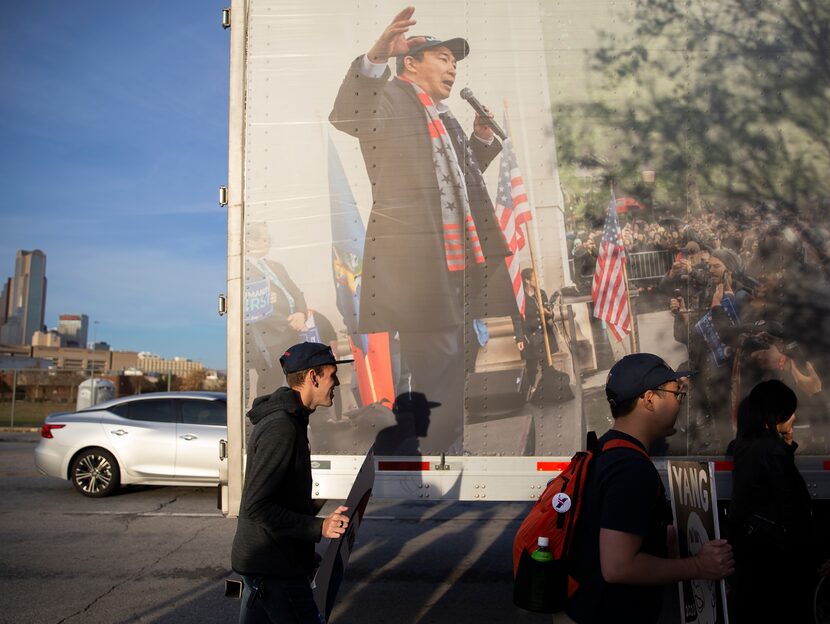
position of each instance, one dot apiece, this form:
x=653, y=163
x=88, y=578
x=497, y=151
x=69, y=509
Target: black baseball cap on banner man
x=458, y=46
x=636, y=373
x=307, y=355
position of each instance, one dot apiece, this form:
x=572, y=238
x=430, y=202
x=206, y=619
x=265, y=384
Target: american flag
x=512, y=210
x=609, y=288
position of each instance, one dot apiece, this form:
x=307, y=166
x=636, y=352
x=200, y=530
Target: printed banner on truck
x=400, y=184
x=431, y=184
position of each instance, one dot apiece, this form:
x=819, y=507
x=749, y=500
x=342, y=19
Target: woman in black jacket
x=770, y=515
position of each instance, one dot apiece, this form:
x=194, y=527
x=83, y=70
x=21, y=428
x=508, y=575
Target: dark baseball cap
x=636, y=373
x=458, y=46
x=308, y=355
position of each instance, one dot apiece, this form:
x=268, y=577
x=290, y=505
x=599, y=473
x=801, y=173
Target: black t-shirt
x=624, y=493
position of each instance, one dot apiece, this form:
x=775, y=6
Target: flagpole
x=631, y=337
x=635, y=348
x=529, y=240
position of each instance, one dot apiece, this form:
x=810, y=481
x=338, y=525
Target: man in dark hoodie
x=273, y=549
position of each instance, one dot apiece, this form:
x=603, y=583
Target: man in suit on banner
x=434, y=253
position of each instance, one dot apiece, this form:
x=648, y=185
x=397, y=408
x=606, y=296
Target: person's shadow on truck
x=412, y=418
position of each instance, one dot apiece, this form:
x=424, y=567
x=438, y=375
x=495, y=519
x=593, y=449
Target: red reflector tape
x=827, y=465
x=551, y=466
x=411, y=466
x=724, y=466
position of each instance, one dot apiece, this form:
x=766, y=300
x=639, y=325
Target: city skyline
x=72, y=329
x=117, y=144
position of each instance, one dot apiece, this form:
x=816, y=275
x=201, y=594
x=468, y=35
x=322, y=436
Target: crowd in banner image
x=749, y=292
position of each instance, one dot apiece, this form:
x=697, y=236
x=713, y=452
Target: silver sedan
x=164, y=438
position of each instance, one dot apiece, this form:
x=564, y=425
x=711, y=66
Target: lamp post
x=14, y=394
x=92, y=391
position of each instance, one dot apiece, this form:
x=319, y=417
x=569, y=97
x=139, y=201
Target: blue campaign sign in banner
x=708, y=331
x=311, y=333
x=258, y=304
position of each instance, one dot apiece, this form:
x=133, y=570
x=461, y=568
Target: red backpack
x=554, y=516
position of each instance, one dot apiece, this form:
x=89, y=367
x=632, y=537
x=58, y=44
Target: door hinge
x=223, y=449
x=443, y=465
x=226, y=18
x=223, y=305
x=223, y=195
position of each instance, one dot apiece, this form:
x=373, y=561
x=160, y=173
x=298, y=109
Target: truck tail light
x=46, y=430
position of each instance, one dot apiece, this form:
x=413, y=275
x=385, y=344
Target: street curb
x=20, y=429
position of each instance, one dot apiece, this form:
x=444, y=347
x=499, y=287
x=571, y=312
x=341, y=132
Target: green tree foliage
x=727, y=101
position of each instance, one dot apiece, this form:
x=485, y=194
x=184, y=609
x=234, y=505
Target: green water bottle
x=542, y=553
x=540, y=591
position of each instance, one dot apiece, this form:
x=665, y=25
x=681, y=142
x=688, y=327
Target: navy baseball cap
x=308, y=355
x=636, y=373
x=458, y=46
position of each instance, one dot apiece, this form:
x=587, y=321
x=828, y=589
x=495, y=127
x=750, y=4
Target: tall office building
x=26, y=298
x=5, y=301
x=73, y=329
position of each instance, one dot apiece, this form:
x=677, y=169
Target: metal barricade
x=648, y=265
x=642, y=265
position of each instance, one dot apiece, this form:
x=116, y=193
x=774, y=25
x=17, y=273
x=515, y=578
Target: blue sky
x=113, y=126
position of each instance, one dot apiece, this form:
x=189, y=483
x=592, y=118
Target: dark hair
x=623, y=408
x=297, y=378
x=399, y=66
x=768, y=404
x=527, y=274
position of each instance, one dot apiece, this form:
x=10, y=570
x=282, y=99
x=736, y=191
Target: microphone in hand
x=467, y=94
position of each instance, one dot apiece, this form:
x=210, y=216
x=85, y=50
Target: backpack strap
x=591, y=443
x=615, y=444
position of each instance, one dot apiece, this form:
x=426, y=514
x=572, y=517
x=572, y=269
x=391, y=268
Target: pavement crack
x=170, y=502
x=133, y=577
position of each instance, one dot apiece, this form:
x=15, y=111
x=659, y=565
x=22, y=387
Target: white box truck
x=341, y=230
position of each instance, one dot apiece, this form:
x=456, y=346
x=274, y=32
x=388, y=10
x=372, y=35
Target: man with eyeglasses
x=625, y=537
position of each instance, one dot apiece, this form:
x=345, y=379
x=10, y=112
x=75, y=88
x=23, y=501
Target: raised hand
x=393, y=42
x=809, y=383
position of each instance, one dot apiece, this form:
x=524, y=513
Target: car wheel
x=95, y=473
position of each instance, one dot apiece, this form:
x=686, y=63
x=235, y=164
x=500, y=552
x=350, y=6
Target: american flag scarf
x=455, y=205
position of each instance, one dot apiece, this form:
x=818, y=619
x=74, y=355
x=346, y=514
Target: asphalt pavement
x=146, y=555
x=160, y=554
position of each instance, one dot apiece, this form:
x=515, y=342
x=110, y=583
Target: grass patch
x=30, y=413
